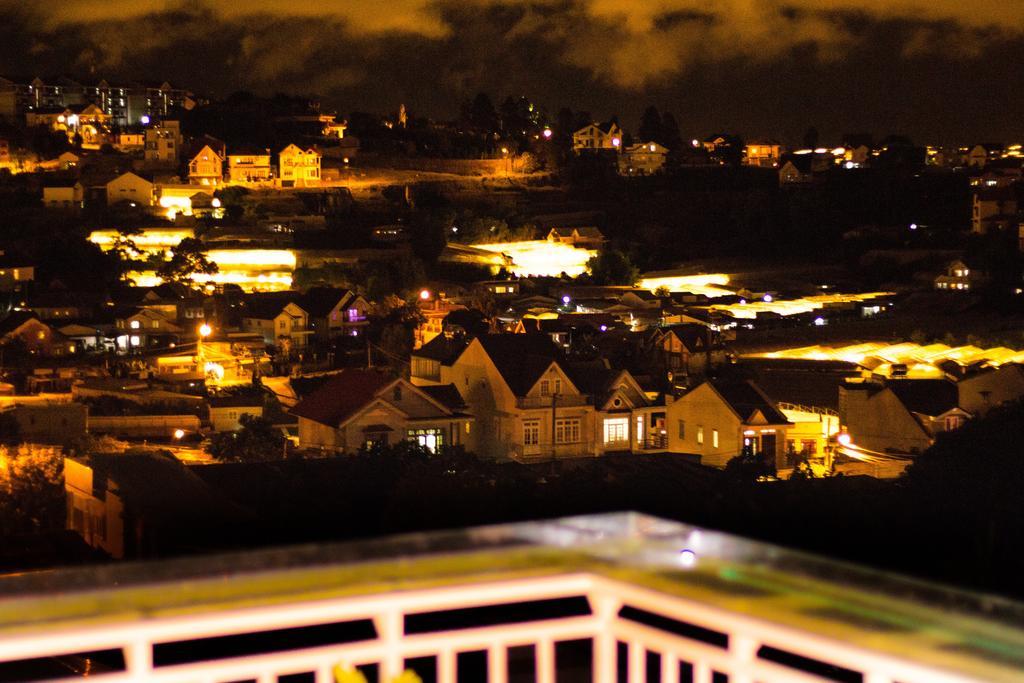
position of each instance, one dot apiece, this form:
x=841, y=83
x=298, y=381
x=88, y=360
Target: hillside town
x=189, y=281
x=561, y=341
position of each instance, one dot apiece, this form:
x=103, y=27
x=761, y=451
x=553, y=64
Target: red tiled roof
x=342, y=396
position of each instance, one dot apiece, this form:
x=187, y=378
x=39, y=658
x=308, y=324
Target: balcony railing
x=655, y=442
x=527, y=402
x=580, y=598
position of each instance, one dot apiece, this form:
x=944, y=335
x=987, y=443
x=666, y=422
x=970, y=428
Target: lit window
x=714, y=438
x=545, y=388
x=616, y=430
x=432, y=439
x=700, y=436
x=134, y=324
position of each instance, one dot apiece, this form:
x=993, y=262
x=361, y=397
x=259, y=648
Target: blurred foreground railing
x=602, y=598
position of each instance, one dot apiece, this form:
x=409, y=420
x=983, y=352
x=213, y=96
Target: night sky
x=938, y=70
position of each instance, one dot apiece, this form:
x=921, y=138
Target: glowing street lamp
x=547, y=133
x=179, y=434
x=844, y=439
x=205, y=330
x=424, y=294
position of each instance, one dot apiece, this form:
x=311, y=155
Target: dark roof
x=693, y=335
x=341, y=396
x=803, y=382
x=745, y=398
x=248, y=400
x=929, y=397
x=319, y=301
x=158, y=487
x=268, y=305
x=520, y=358
x=443, y=348
x=15, y=320
x=445, y=394
x=592, y=377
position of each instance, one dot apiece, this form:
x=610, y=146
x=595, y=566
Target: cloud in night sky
x=896, y=59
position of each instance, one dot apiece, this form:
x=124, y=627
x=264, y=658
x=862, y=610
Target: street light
x=179, y=434
x=205, y=330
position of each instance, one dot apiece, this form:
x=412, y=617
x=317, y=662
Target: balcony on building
x=606, y=598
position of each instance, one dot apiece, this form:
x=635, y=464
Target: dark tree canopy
x=256, y=441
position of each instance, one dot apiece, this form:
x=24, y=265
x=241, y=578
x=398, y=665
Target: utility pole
x=554, y=413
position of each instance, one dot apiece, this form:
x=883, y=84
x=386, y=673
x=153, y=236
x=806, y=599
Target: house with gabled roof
x=38, y=338
x=297, y=167
x=362, y=408
x=722, y=419
x=206, y=163
x=334, y=312
x=596, y=137
x=278, y=318
x=587, y=237
x=531, y=404
x=900, y=416
x=688, y=349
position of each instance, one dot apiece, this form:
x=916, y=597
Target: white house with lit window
x=281, y=322
x=298, y=167
x=721, y=420
x=766, y=154
x=206, y=167
x=645, y=158
x=530, y=404
x=359, y=409
x=596, y=137
x=249, y=167
x=960, y=278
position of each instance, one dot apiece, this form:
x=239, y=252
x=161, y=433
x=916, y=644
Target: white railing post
x=446, y=665
x=637, y=662
x=545, y=660
x=743, y=651
x=325, y=674
x=138, y=657
x=497, y=664
x=389, y=630
x=606, y=612
x=701, y=672
x=669, y=668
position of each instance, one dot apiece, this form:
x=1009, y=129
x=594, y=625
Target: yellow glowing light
x=709, y=284
x=542, y=258
x=424, y=294
x=750, y=309
x=844, y=439
x=214, y=371
x=179, y=434
x=919, y=361
x=205, y=330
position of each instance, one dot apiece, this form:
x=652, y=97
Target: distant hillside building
x=596, y=137
x=249, y=167
x=645, y=158
x=766, y=154
x=298, y=167
x=363, y=408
